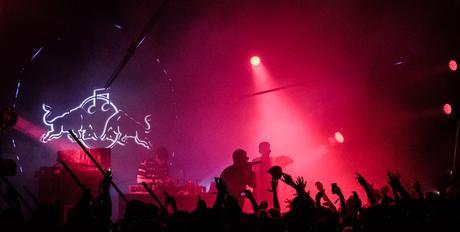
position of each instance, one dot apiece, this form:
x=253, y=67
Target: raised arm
x=299, y=185
x=276, y=202
x=250, y=196
x=367, y=189
x=336, y=190
x=398, y=189
x=418, y=189
x=323, y=195
x=221, y=192
x=169, y=200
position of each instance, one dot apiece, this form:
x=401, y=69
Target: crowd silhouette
x=390, y=208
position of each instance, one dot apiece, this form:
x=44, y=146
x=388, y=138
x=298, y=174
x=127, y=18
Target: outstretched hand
x=248, y=194
x=300, y=184
x=361, y=180
x=393, y=180
x=200, y=204
x=356, y=199
x=336, y=190
x=319, y=186
x=288, y=180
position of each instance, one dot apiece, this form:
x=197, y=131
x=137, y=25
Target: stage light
x=255, y=60
x=447, y=109
x=453, y=65
x=339, y=137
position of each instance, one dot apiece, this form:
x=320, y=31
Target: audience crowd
x=390, y=208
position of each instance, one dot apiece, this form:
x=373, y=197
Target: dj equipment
x=78, y=158
x=56, y=184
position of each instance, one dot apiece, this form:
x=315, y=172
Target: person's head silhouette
x=240, y=156
x=264, y=148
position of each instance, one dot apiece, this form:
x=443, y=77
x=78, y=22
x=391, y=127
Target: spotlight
x=447, y=109
x=453, y=65
x=255, y=60
x=339, y=137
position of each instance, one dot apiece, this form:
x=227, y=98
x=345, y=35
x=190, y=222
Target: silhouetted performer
x=263, y=177
x=239, y=175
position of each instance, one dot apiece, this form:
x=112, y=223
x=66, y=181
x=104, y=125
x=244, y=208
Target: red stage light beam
x=30, y=129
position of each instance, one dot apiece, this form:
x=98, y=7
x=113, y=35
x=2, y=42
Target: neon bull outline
x=120, y=127
x=97, y=125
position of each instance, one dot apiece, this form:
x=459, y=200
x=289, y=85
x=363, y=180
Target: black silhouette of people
x=263, y=178
x=239, y=175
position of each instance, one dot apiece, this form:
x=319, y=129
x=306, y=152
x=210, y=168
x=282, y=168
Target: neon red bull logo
x=97, y=122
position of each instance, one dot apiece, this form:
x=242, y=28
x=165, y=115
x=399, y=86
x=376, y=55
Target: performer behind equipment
x=155, y=171
x=239, y=175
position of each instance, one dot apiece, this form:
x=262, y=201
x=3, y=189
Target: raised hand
x=336, y=190
x=300, y=184
x=361, y=180
x=221, y=193
x=248, y=193
x=200, y=204
x=319, y=186
x=318, y=197
x=252, y=199
x=169, y=200
x=369, y=193
x=288, y=180
x=393, y=180
x=288, y=202
x=357, y=199
x=418, y=189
